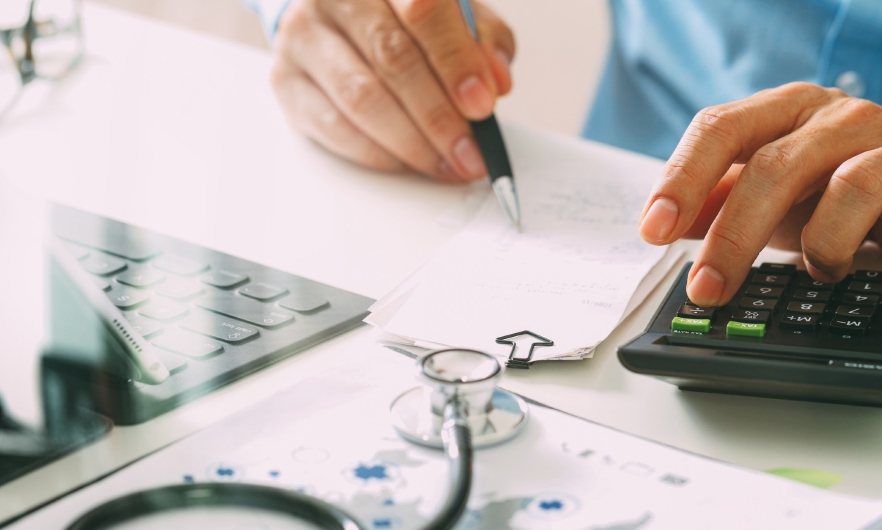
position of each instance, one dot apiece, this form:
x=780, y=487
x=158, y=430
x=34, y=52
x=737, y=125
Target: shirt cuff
x=269, y=11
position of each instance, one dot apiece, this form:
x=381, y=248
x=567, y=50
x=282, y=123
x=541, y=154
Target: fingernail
x=469, y=157
x=476, y=97
x=706, y=286
x=660, y=220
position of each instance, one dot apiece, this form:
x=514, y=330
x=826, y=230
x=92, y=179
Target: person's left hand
x=797, y=167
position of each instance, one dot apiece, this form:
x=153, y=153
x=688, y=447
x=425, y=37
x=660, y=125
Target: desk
x=179, y=133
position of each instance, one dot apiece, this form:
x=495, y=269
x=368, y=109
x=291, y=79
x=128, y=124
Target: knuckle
x=394, y=52
x=860, y=110
x=418, y=12
x=295, y=19
x=735, y=236
x=441, y=120
x=358, y=91
x=686, y=173
x=720, y=122
x=856, y=182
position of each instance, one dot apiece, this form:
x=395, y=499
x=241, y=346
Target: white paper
x=330, y=437
x=568, y=276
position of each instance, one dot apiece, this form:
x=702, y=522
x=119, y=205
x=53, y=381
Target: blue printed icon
x=224, y=473
x=365, y=472
x=388, y=502
x=550, y=505
x=188, y=479
x=274, y=473
x=382, y=523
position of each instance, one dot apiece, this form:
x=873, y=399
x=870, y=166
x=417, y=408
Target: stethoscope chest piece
x=492, y=414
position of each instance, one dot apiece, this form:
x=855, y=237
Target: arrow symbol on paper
x=513, y=339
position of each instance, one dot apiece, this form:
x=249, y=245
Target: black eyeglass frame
x=30, y=32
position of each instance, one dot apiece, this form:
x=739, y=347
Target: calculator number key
x=810, y=283
x=868, y=276
x=806, y=308
x=780, y=280
x=796, y=322
x=767, y=304
x=764, y=291
x=694, y=311
x=860, y=299
x=853, y=312
x=865, y=287
x=811, y=295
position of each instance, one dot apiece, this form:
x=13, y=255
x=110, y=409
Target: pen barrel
x=492, y=146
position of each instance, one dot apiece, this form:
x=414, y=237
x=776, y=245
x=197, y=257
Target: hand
x=811, y=179
x=390, y=84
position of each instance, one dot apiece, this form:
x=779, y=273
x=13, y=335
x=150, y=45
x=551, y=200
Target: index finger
x=439, y=29
x=718, y=137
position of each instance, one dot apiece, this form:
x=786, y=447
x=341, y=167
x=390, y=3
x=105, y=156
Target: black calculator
x=783, y=335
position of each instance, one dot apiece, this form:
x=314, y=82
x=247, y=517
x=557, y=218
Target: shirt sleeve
x=269, y=11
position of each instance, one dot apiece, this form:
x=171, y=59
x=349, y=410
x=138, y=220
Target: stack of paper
x=576, y=268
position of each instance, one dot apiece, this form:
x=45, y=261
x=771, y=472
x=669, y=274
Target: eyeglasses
x=48, y=46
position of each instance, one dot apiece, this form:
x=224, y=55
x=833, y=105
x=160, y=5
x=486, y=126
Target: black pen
x=492, y=146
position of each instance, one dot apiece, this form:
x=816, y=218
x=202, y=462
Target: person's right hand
x=391, y=83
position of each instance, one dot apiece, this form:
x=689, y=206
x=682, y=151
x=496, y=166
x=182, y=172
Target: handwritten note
x=568, y=275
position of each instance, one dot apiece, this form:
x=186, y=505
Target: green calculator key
x=746, y=329
x=700, y=325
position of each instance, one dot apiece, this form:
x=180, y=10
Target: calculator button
x=811, y=295
x=700, y=325
x=865, y=312
x=77, y=251
x=163, y=310
x=262, y=291
x=800, y=322
x=103, y=265
x=187, y=344
x=223, y=278
x=810, y=283
x=778, y=268
x=764, y=291
x=102, y=284
x=758, y=303
x=745, y=329
x=780, y=280
x=303, y=303
x=693, y=311
x=125, y=298
x=860, y=299
x=748, y=315
x=865, y=287
x=218, y=327
x=868, y=276
x=806, y=308
x=140, y=278
x=849, y=326
x=178, y=265
x=245, y=309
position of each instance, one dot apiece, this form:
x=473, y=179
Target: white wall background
x=561, y=49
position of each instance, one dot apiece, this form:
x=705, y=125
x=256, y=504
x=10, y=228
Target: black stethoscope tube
x=457, y=446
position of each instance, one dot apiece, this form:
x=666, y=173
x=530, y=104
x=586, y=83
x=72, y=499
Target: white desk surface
x=180, y=133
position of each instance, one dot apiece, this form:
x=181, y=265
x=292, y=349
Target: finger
x=498, y=43
x=849, y=209
x=440, y=31
x=313, y=114
x=395, y=58
x=776, y=177
x=712, y=205
x=717, y=138
x=337, y=69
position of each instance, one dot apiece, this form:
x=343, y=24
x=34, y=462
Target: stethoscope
x=457, y=408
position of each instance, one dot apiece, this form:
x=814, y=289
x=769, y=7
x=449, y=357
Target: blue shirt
x=671, y=58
